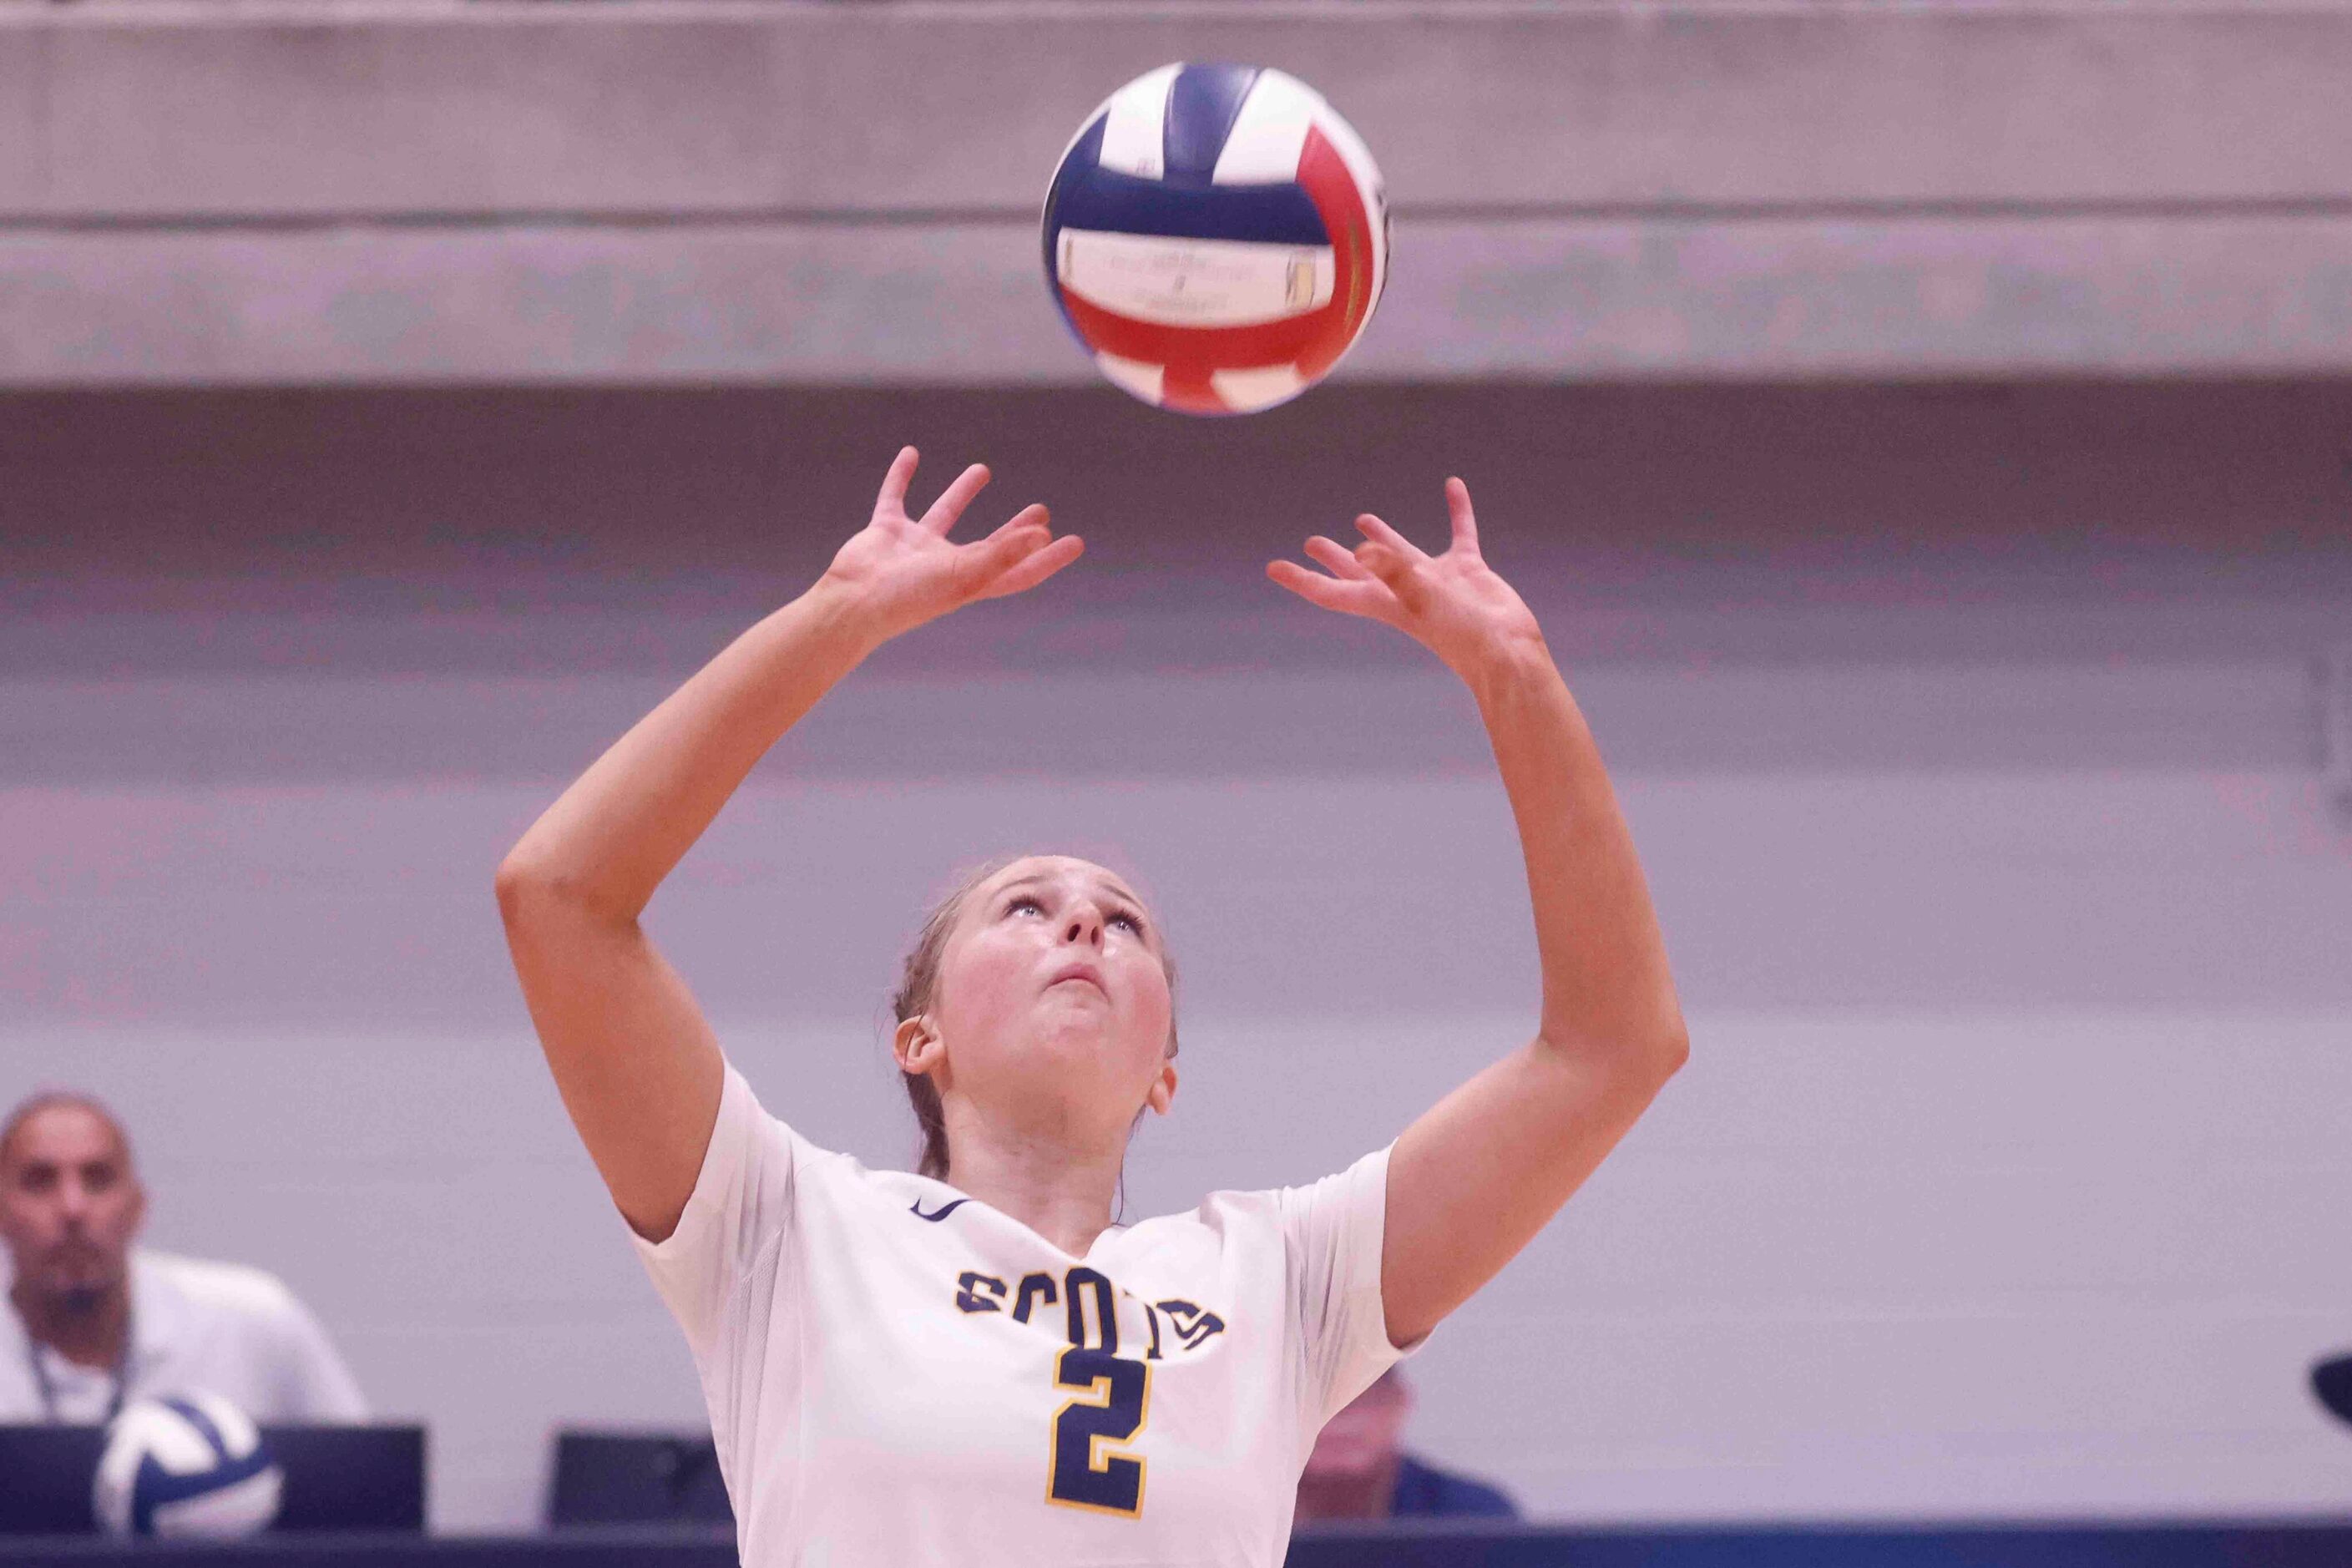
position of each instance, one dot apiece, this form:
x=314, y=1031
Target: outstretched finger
x=1033, y=515
x=1336, y=558
x=979, y=564
x=1380, y=533
x=894, y=482
x=1352, y=598
x=1378, y=561
x=1465, y=524
x=1028, y=528
x=1042, y=563
x=955, y=498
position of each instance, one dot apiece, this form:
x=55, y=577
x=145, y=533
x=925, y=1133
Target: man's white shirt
x=195, y=1325
x=899, y=1375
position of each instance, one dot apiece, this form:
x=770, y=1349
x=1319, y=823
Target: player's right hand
x=899, y=572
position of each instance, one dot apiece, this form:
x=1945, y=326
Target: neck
x=89, y=1328
x=1062, y=1192
x=1349, y=1494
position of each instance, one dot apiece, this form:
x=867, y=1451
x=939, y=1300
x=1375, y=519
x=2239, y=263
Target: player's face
x=1052, y=1001
x=68, y=1202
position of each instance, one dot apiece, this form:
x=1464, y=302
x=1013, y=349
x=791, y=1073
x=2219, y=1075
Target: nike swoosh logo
x=916, y=1208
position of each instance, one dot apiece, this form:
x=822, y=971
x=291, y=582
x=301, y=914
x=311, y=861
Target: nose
x=1085, y=927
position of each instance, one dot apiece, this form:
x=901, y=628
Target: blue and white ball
x=1217, y=236
x=194, y=1465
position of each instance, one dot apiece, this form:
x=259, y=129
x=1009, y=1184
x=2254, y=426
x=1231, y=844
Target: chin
x=80, y=1297
x=1073, y=1050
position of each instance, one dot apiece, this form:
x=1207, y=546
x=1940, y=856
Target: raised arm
x=637, y=1064
x=1472, y=1181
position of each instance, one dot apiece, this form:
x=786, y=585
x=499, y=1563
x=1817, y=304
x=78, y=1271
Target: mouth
x=1086, y=972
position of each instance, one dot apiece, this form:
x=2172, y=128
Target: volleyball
x=1217, y=237
x=194, y=1465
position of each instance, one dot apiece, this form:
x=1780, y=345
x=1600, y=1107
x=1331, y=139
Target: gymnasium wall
x=1969, y=734
x=687, y=191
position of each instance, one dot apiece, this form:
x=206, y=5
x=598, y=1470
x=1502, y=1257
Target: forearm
x=612, y=838
x=1480, y=1173
x=1606, y=985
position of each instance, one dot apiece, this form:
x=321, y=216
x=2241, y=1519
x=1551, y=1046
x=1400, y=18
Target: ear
x=916, y=1046
x=1163, y=1088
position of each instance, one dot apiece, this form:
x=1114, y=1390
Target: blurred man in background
x=1360, y=1468
x=93, y=1322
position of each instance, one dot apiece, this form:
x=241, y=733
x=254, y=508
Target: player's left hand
x=1454, y=604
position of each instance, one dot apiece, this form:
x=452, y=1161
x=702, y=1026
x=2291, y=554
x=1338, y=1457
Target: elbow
x=514, y=884
x=1648, y=1059
x=524, y=885
x=532, y=893
x=1660, y=1041
x=1662, y=1045
x=1671, y=1050
x=1640, y=1058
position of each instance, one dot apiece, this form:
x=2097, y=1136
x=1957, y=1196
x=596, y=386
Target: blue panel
x=1203, y=104
x=1085, y=195
x=1083, y=158
x=1097, y=198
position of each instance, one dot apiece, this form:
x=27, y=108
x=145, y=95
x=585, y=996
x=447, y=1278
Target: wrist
x=1499, y=664
x=845, y=618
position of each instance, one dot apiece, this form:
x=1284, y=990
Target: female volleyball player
x=973, y=1365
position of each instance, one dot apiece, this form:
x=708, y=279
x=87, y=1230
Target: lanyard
x=49, y=1390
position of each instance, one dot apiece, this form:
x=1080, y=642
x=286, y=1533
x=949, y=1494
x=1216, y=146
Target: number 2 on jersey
x=1114, y=1403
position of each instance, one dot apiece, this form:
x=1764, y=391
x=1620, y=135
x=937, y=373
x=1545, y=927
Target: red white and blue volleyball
x=1217, y=237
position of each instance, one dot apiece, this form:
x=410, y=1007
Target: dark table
x=1406, y=1545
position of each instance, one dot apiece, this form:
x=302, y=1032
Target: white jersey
x=899, y=1375
x=219, y=1328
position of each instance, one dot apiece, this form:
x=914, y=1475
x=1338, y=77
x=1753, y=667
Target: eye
x=1024, y=901
x=1133, y=921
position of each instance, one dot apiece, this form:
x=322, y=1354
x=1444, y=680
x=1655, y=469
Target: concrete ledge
x=177, y=110
x=966, y=303
x=668, y=191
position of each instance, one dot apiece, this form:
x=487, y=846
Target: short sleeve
x=742, y=1193
x=1331, y=1233
x=322, y=1390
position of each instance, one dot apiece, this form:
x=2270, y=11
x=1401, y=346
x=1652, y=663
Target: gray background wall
x=689, y=191
x=1969, y=734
